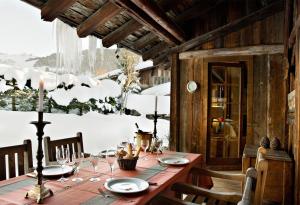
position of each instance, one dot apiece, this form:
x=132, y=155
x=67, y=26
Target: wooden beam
x=53, y=8
x=294, y=32
x=288, y=20
x=163, y=56
x=155, y=50
x=121, y=33
x=139, y=15
x=175, y=104
x=145, y=40
x=239, y=51
x=102, y=15
x=196, y=11
x=36, y=3
x=125, y=44
x=231, y=27
x=154, y=11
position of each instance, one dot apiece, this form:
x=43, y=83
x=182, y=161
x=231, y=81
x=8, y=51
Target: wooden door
x=227, y=112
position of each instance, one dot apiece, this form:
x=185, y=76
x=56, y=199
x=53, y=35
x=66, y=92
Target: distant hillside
x=109, y=62
x=17, y=60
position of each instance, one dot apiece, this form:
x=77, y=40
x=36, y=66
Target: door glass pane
x=225, y=112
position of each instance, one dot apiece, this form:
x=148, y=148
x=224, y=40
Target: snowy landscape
x=100, y=129
x=79, y=95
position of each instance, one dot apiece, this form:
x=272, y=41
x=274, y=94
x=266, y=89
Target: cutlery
x=103, y=193
x=152, y=183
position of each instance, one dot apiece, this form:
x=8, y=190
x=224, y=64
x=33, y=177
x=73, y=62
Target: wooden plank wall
x=269, y=109
x=295, y=83
x=269, y=98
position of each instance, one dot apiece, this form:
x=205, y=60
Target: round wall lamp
x=191, y=86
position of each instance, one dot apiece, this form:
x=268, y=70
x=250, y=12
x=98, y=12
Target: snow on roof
x=162, y=89
x=144, y=64
x=109, y=74
x=116, y=72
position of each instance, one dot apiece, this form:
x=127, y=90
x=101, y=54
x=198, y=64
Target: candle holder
x=155, y=117
x=39, y=191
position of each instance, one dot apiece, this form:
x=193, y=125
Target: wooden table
x=12, y=191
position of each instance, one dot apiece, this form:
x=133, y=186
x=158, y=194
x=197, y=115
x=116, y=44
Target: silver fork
x=111, y=196
x=103, y=193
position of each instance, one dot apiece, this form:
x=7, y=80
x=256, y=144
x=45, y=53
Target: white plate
x=126, y=185
x=174, y=160
x=56, y=170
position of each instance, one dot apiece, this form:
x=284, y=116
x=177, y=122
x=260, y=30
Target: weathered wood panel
x=259, y=92
x=185, y=101
x=277, y=101
x=267, y=31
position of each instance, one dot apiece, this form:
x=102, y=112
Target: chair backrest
x=74, y=144
x=15, y=160
x=255, y=177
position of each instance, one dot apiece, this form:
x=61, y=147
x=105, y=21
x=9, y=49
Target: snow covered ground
x=99, y=131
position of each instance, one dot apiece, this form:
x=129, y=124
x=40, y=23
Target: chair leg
x=194, y=198
x=178, y=195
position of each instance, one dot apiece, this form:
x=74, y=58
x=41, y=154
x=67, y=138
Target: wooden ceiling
x=151, y=28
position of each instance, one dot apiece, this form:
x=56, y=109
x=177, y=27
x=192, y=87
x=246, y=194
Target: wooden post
x=297, y=125
x=175, y=105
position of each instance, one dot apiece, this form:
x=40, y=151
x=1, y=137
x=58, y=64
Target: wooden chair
x=251, y=178
x=230, y=197
x=19, y=160
x=74, y=144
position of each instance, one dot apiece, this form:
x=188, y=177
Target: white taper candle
x=155, y=103
x=41, y=96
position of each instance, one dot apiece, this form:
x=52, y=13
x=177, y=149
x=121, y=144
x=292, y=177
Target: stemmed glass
x=158, y=144
x=77, y=158
x=62, y=157
x=110, y=156
x=94, y=159
x=145, y=145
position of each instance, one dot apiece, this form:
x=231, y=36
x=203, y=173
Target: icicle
x=101, y=53
x=68, y=49
x=92, y=53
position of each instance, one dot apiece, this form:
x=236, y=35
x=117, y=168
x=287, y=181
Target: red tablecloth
x=12, y=191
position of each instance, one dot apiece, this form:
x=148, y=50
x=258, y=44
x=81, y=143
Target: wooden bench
x=17, y=159
x=74, y=144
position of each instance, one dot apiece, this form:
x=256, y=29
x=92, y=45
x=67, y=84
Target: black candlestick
x=39, y=191
x=155, y=122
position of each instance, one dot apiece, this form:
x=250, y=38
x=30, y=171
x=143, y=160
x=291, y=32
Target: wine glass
x=110, y=156
x=62, y=157
x=77, y=158
x=145, y=145
x=158, y=144
x=94, y=159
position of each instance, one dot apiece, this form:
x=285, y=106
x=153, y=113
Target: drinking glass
x=110, y=156
x=145, y=145
x=94, y=159
x=77, y=158
x=62, y=157
x=158, y=144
